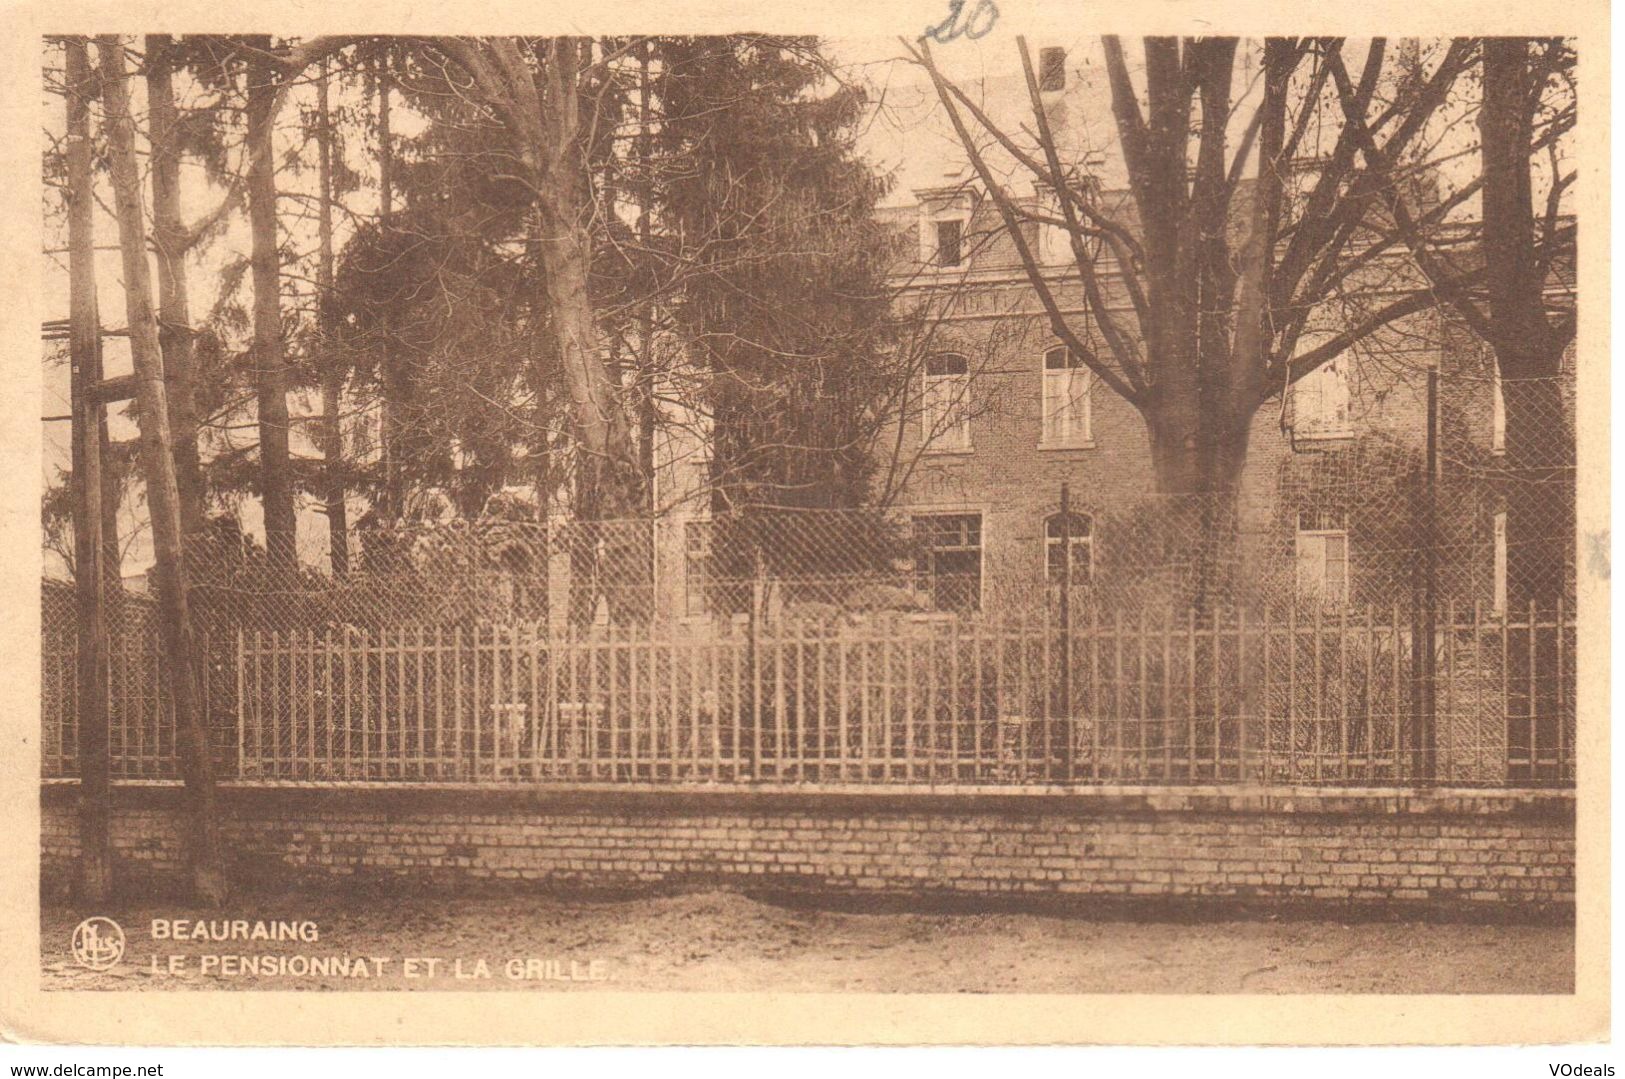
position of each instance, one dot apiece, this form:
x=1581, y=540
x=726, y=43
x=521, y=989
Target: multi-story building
x=1332, y=503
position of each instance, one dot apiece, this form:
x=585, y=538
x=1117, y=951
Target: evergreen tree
x=783, y=302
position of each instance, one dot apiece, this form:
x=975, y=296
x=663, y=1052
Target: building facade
x=1333, y=502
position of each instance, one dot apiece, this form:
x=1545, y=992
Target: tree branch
x=1057, y=320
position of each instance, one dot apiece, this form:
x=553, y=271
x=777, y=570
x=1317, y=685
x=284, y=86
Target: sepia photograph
x=989, y=510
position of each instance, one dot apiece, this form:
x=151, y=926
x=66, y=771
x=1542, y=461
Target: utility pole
x=84, y=351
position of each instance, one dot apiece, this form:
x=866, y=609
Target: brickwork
x=988, y=312
x=1485, y=852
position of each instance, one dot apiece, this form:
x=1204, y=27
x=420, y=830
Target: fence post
x=242, y=706
x=758, y=597
x=1424, y=595
x=1068, y=719
x=1430, y=584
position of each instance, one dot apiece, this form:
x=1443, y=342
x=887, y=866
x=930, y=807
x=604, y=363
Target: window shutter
x=932, y=413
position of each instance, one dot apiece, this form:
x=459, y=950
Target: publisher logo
x=98, y=943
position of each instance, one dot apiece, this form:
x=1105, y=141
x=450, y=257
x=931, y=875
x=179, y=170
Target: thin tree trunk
x=174, y=299
x=1539, y=489
x=84, y=334
x=610, y=480
x=648, y=409
x=1528, y=353
x=270, y=369
x=163, y=498
x=391, y=381
x=338, y=525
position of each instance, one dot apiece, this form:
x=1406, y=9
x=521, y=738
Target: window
x=1054, y=246
x=946, y=407
x=1323, y=557
x=696, y=567
x=1498, y=412
x=950, y=239
x=1320, y=402
x=1499, y=584
x=1067, y=535
x=1066, y=399
x=948, y=568
x=944, y=227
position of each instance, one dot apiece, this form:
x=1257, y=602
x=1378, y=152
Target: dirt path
x=717, y=941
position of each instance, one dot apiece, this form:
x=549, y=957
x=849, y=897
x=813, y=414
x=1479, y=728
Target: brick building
x=1331, y=504
x=1007, y=415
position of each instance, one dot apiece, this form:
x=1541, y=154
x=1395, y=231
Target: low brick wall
x=1491, y=853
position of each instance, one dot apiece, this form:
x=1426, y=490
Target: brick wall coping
x=1556, y=805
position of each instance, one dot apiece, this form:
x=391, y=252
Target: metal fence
x=1269, y=697
x=141, y=725
x=1358, y=618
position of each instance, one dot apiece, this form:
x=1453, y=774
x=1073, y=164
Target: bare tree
x=1518, y=317
x=1226, y=266
x=534, y=87
x=1505, y=281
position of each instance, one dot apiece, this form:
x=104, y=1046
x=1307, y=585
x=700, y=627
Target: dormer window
x=950, y=241
x=944, y=229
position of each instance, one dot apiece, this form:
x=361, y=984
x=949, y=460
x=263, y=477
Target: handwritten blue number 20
x=959, y=24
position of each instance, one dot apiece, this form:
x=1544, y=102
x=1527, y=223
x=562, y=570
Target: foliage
x=782, y=301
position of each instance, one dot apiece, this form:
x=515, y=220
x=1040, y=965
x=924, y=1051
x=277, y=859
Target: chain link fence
x=1362, y=610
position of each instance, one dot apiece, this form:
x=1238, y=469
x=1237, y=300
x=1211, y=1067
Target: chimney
x=1052, y=69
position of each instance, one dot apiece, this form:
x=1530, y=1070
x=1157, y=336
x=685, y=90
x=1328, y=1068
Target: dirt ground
x=717, y=941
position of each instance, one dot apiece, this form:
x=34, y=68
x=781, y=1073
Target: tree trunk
x=338, y=524
x=392, y=382
x=95, y=767
x=174, y=299
x=609, y=474
x=270, y=369
x=163, y=499
x=1198, y=459
x=1528, y=353
x=1539, y=487
x=610, y=477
